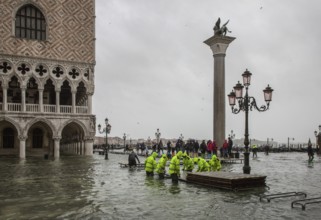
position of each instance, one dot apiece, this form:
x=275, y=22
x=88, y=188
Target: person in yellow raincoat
x=174, y=167
x=160, y=169
x=203, y=166
x=188, y=163
x=215, y=164
x=150, y=164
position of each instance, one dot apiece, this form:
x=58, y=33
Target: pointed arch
x=13, y=122
x=43, y=120
x=70, y=121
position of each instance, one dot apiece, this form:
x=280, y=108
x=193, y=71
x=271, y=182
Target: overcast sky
x=154, y=71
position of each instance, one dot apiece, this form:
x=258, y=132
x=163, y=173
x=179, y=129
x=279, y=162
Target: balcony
x=35, y=108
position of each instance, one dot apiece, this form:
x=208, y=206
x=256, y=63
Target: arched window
x=30, y=23
x=8, y=138
x=37, y=137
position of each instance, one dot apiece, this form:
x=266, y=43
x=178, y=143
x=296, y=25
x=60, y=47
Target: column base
x=246, y=167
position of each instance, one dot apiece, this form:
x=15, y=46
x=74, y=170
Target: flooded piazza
x=76, y=187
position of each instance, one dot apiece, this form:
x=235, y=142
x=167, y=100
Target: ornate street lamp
x=181, y=137
x=157, y=134
x=318, y=139
x=149, y=142
x=231, y=135
x=267, y=140
x=107, y=131
x=124, y=138
x=246, y=104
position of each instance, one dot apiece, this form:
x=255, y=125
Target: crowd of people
x=194, y=157
x=174, y=170
x=191, y=153
x=191, y=147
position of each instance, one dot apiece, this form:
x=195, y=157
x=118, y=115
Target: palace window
x=30, y=23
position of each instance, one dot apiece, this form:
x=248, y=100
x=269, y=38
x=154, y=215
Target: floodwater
x=76, y=187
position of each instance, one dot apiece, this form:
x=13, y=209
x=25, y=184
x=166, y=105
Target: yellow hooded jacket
x=150, y=163
x=174, y=167
x=161, y=164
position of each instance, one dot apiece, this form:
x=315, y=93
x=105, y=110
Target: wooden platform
x=125, y=165
x=226, y=180
x=231, y=160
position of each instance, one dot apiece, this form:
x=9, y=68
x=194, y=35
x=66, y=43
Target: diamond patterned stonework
x=47, y=77
x=67, y=22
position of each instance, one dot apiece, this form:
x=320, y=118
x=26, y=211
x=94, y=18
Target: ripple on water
x=89, y=188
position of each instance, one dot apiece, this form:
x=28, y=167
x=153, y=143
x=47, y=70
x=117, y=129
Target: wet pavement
x=76, y=187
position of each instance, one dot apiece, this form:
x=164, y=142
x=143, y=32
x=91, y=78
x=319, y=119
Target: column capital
x=219, y=44
x=89, y=139
x=22, y=138
x=5, y=86
x=56, y=138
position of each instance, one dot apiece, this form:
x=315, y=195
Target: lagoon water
x=76, y=187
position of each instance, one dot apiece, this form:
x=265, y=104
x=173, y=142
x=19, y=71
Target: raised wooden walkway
x=231, y=160
x=226, y=180
x=139, y=165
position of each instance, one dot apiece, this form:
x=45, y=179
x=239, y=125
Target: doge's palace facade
x=47, y=60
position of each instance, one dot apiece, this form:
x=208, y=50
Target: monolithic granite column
x=218, y=45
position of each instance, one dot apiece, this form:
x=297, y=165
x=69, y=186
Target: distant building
x=47, y=59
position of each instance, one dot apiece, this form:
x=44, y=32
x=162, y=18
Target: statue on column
x=220, y=31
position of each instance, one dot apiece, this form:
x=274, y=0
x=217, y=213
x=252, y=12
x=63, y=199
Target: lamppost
x=107, y=131
x=124, y=137
x=149, y=142
x=318, y=139
x=231, y=135
x=181, y=137
x=157, y=134
x=246, y=104
x=289, y=142
x=267, y=141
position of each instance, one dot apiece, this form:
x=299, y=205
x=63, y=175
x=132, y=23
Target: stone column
x=40, y=99
x=89, y=143
x=89, y=102
x=23, y=99
x=22, y=147
x=218, y=45
x=73, y=101
x=78, y=148
x=58, y=101
x=4, y=103
x=56, y=147
x=82, y=147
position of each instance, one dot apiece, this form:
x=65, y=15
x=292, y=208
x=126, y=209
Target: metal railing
x=281, y=195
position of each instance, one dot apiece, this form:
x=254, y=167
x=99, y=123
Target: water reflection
x=174, y=188
x=87, y=188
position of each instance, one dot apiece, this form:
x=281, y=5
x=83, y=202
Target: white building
x=47, y=59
